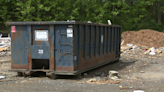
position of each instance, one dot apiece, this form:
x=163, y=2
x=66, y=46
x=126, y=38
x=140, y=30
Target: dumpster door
x=64, y=48
x=42, y=48
x=19, y=44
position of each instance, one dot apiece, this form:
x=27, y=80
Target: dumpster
x=62, y=47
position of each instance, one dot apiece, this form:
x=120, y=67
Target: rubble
x=142, y=71
x=141, y=49
x=152, y=51
x=138, y=91
x=2, y=77
x=113, y=75
x=5, y=46
x=92, y=80
x=130, y=45
x=101, y=81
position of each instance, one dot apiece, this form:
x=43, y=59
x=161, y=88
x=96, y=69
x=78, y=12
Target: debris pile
x=5, y=45
x=144, y=37
x=112, y=78
x=142, y=49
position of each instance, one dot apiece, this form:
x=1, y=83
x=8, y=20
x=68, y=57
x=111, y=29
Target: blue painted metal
x=36, y=55
x=19, y=47
x=63, y=47
x=91, y=45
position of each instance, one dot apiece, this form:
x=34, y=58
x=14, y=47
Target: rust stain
x=18, y=66
x=87, y=63
x=18, y=33
x=80, y=57
x=64, y=68
x=51, y=28
x=52, y=57
x=13, y=37
x=52, y=62
x=29, y=62
x=19, y=52
x=38, y=42
x=75, y=67
x=32, y=36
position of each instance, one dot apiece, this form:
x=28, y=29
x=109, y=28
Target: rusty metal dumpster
x=61, y=47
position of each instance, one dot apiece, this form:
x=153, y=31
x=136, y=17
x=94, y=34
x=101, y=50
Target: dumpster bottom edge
x=64, y=72
x=81, y=71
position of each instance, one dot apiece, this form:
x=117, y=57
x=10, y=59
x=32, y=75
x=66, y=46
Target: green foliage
x=131, y=14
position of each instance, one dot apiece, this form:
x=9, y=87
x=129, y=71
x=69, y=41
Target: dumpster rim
x=56, y=22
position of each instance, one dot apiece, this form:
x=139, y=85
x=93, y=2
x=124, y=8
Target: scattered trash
x=89, y=22
x=142, y=71
x=133, y=48
x=2, y=42
x=113, y=75
x=152, y=51
x=122, y=42
x=158, y=51
x=92, y=80
x=129, y=48
x=109, y=22
x=130, y=45
x=138, y=91
x=145, y=49
x=123, y=87
x=120, y=86
x=5, y=45
x=2, y=77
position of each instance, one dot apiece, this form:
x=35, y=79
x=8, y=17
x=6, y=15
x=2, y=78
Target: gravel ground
x=136, y=71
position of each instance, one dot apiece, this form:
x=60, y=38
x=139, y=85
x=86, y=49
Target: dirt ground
x=137, y=71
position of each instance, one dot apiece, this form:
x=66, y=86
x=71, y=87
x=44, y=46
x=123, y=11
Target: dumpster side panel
x=98, y=45
x=19, y=47
x=64, y=48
